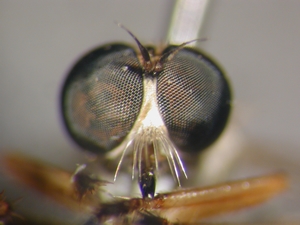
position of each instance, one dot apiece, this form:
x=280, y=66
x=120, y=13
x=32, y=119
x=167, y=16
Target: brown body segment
x=184, y=206
x=190, y=205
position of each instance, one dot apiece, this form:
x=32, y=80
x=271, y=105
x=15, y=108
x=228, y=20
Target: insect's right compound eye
x=194, y=99
x=102, y=96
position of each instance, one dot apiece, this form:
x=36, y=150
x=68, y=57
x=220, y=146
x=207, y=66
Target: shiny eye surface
x=102, y=97
x=194, y=97
x=103, y=94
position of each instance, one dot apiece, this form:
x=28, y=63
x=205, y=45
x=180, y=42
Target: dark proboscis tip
x=147, y=183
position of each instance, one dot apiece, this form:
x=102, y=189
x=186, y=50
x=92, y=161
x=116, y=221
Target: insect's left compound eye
x=102, y=96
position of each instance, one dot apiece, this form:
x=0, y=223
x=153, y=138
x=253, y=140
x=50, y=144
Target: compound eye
x=102, y=96
x=194, y=99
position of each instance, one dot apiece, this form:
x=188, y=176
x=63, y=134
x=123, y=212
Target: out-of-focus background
x=257, y=43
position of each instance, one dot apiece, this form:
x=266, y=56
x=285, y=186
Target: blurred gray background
x=257, y=43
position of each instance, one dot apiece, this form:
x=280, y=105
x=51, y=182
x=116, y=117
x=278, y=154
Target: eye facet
x=117, y=102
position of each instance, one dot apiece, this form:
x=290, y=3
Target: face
x=147, y=104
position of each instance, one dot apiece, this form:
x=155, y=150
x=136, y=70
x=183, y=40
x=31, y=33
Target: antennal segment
x=170, y=55
x=147, y=64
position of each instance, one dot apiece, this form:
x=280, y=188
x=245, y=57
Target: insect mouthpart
x=149, y=141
